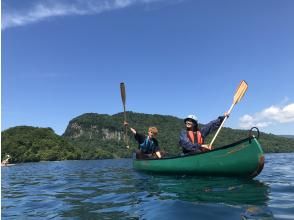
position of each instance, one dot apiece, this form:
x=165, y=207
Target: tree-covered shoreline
x=101, y=136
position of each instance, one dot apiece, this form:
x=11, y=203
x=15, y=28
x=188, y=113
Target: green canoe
x=244, y=159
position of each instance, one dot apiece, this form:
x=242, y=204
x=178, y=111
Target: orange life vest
x=191, y=135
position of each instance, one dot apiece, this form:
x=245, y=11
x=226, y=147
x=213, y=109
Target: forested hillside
x=106, y=132
x=29, y=144
x=97, y=136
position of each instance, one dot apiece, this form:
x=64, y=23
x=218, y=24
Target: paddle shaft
x=123, y=98
x=125, y=113
x=218, y=130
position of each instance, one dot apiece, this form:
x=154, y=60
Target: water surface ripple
x=111, y=189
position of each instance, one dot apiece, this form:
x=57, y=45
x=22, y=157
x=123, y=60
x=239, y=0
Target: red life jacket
x=191, y=135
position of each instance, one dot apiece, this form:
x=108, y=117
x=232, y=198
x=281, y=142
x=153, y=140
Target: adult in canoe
x=192, y=138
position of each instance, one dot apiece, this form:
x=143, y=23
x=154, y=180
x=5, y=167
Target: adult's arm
x=211, y=126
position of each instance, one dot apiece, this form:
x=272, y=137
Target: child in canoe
x=148, y=145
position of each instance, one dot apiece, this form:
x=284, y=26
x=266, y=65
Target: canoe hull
x=244, y=158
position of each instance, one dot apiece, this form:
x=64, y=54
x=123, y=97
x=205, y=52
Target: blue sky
x=63, y=58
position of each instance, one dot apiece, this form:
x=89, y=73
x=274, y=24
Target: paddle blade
x=123, y=93
x=242, y=88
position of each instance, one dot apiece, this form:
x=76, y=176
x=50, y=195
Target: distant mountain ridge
x=97, y=136
x=287, y=136
x=100, y=129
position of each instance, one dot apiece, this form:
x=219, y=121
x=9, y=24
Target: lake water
x=111, y=189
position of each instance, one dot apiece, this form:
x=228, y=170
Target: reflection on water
x=134, y=195
x=214, y=190
x=250, y=195
x=111, y=189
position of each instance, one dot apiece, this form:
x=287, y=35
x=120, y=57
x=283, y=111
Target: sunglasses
x=189, y=123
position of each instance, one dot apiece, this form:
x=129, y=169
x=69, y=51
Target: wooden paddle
x=123, y=98
x=242, y=88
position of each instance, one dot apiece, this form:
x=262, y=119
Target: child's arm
x=139, y=137
x=157, y=149
x=133, y=131
x=158, y=154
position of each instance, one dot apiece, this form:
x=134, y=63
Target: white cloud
x=53, y=8
x=268, y=116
